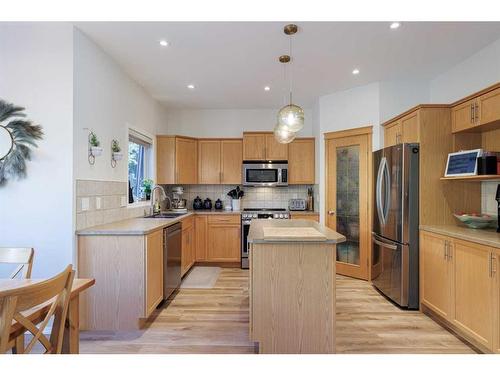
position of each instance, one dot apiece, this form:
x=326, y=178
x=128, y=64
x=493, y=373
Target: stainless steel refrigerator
x=395, y=223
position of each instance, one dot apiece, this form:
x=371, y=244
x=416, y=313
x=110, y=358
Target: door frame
x=361, y=131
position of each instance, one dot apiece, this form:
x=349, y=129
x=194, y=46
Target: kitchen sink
x=165, y=215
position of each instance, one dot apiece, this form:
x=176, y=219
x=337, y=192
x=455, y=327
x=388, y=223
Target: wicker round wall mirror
x=6, y=142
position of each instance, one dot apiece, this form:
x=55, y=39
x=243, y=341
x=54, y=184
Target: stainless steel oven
x=246, y=219
x=265, y=173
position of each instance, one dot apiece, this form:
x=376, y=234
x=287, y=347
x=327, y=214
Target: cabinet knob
x=331, y=212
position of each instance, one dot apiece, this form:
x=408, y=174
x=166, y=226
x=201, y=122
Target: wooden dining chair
x=55, y=292
x=22, y=256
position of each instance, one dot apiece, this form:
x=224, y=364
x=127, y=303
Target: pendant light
x=291, y=116
x=283, y=135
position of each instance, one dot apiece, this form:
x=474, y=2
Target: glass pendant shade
x=283, y=135
x=291, y=117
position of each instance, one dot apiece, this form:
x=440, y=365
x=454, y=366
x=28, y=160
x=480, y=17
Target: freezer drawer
x=390, y=269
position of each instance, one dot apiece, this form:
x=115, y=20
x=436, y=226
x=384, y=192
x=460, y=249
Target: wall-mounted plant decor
x=94, y=147
x=17, y=137
x=116, y=153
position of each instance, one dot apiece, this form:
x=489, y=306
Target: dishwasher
x=172, y=246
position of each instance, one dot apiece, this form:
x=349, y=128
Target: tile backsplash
x=102, y=202
x=255, y=197
x=488, y=194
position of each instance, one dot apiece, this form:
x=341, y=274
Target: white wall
x=475, y=73
x=226, y=122
x=108, y=101
x=397, y=97
x=36, y=71
x=343, y=110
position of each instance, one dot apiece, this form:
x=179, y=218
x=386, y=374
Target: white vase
x=117, y=155
x=235, y=203
x=96, y=151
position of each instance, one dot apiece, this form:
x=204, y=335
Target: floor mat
x=201, y=278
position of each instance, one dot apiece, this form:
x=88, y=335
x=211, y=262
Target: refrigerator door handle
x=387, y=198
x=383, y=244
x=378, y=190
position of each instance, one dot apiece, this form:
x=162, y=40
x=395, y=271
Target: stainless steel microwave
x=265, y=173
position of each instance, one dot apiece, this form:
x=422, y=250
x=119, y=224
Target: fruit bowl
x=476, y=221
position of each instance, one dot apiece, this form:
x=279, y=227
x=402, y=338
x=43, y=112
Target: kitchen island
x=292, y=286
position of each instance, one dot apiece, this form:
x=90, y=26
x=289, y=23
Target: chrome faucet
x=153, y=200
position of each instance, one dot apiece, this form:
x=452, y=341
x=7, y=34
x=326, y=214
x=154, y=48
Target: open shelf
x=485, y=177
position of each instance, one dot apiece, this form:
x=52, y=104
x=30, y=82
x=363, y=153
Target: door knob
x=331, y=212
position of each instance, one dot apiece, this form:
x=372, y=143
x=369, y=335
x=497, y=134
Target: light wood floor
x=216, y=321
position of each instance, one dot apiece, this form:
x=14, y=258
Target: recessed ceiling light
x=191, y=87
x=163, y=43
x=267, y=88
x=395, y=25
x=355, y=71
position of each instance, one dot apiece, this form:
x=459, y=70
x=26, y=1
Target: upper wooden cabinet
x=301, y=165
x=404, y=130
x=209, y=161
x=263, y=146
x=219, y=161
x=392, y=133
x=231, y=161
x=177, y=160
x=476, y=111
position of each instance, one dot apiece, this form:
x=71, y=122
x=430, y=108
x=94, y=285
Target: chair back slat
x=13, y=302
x=23, y=256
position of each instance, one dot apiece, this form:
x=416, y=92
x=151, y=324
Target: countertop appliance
x=265, y=173
x=297, y=204
x=256, y=213
x=395, y=254
x=172, y=245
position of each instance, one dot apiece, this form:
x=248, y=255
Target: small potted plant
x=95, y=148
x=147, y=185
x=236, y=195
x=116, y=150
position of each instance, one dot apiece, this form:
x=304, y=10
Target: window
x=139, y=165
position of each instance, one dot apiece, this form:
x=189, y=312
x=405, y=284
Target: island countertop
x=256, y=233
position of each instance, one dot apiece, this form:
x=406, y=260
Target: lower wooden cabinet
x=459, y=282
x=224, y=238
x=201, y=231
x=435, y=273
x=188, y=245
x=154, y=270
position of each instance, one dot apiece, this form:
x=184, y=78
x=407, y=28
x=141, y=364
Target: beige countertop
x=256, y=233
x=304, y=213
x=140, y=226
x=487, y=237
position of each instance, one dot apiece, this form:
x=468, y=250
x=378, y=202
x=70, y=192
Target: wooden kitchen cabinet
x=176, y=160
x=392, y=134
x=488, y=107
x=496, y=299
x=410, y=128
x=254, y=146
x=224, y=238
x=154, y=270
x=219, y=161
x=463, y=116
x=436, y=273
x=188, y=245
x=274, y=149
x=263, y=146
x=231, y=161
x=209, y=161
x=301, y=161
x=459, y=283
x=473, y=291
x=201, y=231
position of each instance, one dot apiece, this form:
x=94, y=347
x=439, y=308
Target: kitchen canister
x=236, y=204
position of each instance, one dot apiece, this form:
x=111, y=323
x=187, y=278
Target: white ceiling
x=231, y=62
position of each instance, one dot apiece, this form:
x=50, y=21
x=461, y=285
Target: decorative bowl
x=476, y=222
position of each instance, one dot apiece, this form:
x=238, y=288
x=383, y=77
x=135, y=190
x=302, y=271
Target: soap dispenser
x=498, y=201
